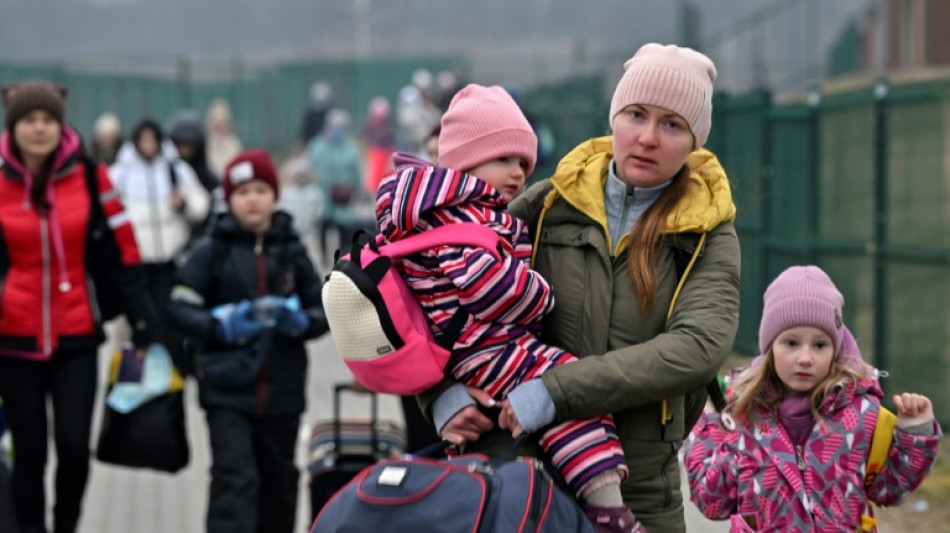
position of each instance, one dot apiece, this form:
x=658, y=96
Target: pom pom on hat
x=482, y=124
x=246, y=166
x=672, y=77
x=801, y=296
x=20, y=99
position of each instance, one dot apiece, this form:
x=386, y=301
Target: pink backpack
x=378, y=326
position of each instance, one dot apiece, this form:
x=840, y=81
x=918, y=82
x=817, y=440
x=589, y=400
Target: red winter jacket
x=46, y=289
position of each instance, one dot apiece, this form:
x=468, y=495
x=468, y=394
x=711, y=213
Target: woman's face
x=650, y=144
x=37, y=135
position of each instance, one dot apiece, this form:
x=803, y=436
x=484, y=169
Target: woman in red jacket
x=53, y=235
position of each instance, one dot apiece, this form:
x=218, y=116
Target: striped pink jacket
x=756, y=470
x=506, y=299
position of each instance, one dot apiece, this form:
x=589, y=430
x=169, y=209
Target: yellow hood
x=582, y=173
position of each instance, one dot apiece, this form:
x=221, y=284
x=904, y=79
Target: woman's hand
x=913, y=409
x=508, y=420
x=469, y=424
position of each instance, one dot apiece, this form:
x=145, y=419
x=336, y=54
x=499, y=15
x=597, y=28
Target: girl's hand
x=508, y=420
x=913, y=409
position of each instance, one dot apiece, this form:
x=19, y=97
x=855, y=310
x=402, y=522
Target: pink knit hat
x=672, y=77
x=482, y=124
x=801, y=296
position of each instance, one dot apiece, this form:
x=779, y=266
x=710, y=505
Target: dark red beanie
x=21, y=98
x=249, y=165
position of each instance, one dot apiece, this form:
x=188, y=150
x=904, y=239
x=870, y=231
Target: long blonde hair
x=646, y=237
x=760, y=387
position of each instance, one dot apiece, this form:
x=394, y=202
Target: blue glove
x=290, y=319
x=236, y=324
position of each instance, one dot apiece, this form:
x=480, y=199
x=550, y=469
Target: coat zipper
x=47, y=286
x=261, y=273
x=667, y=485
x=153, y=211
x=627, y=197
x=800, y=457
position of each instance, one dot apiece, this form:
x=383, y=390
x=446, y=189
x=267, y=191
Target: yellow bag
x=880, y=446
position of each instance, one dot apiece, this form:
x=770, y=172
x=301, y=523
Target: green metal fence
x=267, y=101
x=856, y=182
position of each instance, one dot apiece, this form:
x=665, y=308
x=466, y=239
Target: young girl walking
x=790, y=452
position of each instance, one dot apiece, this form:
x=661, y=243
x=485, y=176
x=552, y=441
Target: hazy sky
x=527, y=39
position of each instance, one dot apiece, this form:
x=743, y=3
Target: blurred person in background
x=448, y=83
x=336, y=161
x=547, y=145
x=415, y=116
x=222, y=143
x=379, y=141
x=432, y=146
x=187, y=134
x=316, y=114
x=106, y=138
x=163, y=199
x=56, y=236
x=301, y=198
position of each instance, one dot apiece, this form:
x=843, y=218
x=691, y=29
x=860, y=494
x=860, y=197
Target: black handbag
x=150, y=436
x=233, y=367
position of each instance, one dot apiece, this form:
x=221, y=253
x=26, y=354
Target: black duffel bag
x=467, y=493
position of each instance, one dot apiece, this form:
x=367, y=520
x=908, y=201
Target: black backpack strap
x=92, y=182
x=220, y=248
x=452, y=332
x=172, y=175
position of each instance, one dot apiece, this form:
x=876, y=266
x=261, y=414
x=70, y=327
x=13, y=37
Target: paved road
x=122, y=500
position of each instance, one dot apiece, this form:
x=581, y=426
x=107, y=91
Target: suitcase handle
x=374, y=411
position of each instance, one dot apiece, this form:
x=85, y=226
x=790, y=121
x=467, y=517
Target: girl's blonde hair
x=760, y=387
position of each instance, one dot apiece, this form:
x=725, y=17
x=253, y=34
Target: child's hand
x=508, y=420
x=913, y=409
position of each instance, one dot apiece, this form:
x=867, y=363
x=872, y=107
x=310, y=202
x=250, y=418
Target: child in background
x=302, y=198
x=250, y=284
x=804, y=415
x=487, y=150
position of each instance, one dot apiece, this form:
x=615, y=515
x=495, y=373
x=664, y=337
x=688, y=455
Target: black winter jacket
x=286, y=270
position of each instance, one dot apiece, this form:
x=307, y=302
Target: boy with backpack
x=249, y=295
x=487, y=150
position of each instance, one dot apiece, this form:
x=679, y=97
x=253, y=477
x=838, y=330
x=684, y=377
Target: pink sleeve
x=908, y=463
x=710, y=460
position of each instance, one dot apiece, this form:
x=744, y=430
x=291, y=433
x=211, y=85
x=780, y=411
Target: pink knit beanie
x=801, y=296
x=482, y=124
x=672, y=77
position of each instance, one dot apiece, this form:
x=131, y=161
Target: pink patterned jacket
x=757, y=471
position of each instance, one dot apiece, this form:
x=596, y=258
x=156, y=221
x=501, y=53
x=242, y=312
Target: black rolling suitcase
x=341, y=448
